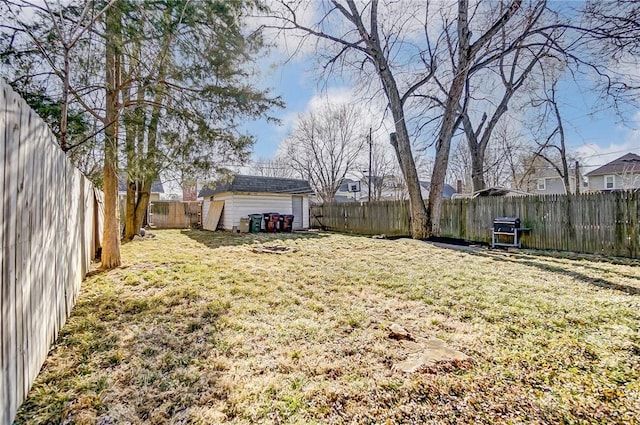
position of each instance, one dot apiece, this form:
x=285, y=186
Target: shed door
x=296, y=208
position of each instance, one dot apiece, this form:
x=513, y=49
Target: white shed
x=247, y=195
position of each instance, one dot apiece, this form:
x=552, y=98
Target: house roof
x=156, y=186
x=344, y=185
x=260, y=184
x=626, y=164
x=447, y=190
x=552, y=173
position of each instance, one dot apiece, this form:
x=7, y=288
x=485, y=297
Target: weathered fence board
x=605, y=223
x=48, y=238
x=388, y=217
x=175, y=214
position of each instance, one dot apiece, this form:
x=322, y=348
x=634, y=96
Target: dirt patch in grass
x=197, y=328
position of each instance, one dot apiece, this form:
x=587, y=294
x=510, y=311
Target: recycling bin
x=271, y=222
x=286, y=223
x=255, y=223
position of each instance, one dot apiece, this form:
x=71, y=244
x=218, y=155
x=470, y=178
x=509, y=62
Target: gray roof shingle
x=626, y=164
x=259, y=184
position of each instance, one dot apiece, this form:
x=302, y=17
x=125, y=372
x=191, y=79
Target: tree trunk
x=443, y=144
x=144, y=192
x=466, y=56
x=420, y=224
x=134, y=129
x=150, y=172
x=130, y=229
x=443, y=147
x=477, y=171
x=111, y=231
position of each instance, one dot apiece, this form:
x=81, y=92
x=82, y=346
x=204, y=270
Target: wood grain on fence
x=175, y=214
x=598, y=223
x=47, y=237
x=387, y=217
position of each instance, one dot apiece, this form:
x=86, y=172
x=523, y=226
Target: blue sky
x=593, y=130
x=297, y=87
x=597, y=136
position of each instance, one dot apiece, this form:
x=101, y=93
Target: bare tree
x=45, y=42
x=513, y=70
x=277, y=167
x=399, y=46
x=552, y=149
x=324, y=146
x=382, y=170
x=616, y=23
x=502, y=165
x=610, y=32
x=460, y=165
x=353, y=29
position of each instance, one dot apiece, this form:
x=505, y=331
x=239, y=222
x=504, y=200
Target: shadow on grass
x=219, y=239
x=591, y=267
x=529, y=260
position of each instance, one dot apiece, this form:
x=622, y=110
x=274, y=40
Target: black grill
x=506, y=224
x=507, y=232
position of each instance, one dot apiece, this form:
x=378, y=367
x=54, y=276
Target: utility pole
x=578, y=179
x=370, y=155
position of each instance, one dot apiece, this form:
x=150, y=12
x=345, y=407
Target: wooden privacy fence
x=49, y=234
x=388, y=217
x=598, y=223
x=175, y=214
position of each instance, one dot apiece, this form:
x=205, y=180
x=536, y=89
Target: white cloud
x=288, y=44
x=343, y=95
x=593, y=155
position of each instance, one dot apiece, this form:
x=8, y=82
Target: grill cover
x=506, y=224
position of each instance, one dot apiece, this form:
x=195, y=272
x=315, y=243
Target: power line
x=612, y=152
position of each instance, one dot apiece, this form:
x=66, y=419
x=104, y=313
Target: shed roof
x=626, y=164
x=260, y=184
x=491, y=191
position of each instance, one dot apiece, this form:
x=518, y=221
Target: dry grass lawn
x=199, y=328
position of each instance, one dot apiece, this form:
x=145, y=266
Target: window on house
x=609, y=182
x=542, y=184
x=585, y=184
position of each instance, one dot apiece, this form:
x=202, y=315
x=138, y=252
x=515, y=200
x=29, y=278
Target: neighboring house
x=156, y=189
x=619, y=174
x=542, y=178
x=447, y=191
x=392, y=190
x=349, y=191
x=246, y=195
x=547, y=181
